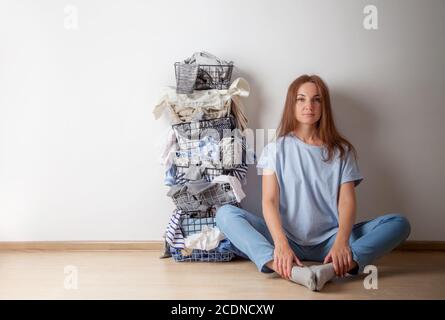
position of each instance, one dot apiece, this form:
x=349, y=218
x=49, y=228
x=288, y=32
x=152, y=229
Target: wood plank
x=143, y=275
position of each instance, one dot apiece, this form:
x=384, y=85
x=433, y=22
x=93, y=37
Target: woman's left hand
x=341, y=257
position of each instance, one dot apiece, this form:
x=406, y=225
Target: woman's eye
x=315, y=100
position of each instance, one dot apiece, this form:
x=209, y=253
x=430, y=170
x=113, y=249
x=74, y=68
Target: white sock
x=303, y=276
x=323, y=273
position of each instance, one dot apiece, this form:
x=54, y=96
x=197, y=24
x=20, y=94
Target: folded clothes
x=205, y=104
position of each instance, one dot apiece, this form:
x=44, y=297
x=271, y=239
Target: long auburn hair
x=326, y=129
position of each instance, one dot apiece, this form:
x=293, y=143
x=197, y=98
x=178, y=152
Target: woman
x=309, y=176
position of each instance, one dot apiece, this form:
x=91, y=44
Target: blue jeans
x=252, y=240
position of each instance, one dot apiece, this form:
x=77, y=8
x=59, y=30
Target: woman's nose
x=308, y=106
x=308, y=103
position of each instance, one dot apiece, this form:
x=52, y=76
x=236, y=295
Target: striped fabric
x=239, y=172
x=174, y=236
x=180, y=178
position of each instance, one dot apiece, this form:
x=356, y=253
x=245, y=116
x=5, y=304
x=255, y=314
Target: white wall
x=79, y=147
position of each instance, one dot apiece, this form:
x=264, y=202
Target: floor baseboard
x=422, y=246
x=81, y=245
x=157, y=245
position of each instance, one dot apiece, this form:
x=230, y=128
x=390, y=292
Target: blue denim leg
x=372, y=239
x=369, y=240
x=249, y=235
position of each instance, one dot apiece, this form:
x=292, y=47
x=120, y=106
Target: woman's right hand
x=284, y=260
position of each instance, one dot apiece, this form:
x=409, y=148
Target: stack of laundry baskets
x=206, y=156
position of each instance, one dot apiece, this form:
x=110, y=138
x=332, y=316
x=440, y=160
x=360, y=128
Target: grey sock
x=303, y=276
x=323, y=273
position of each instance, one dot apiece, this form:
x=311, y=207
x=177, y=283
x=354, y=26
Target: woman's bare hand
x=284, y=260
x=341, y=257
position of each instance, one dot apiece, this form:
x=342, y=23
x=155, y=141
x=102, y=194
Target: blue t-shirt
x=308, y=186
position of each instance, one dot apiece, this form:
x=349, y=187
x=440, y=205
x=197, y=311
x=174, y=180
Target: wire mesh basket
x=202, y=77
x=209, y=174
x=191, y=225
x=189, y=134
x=227, y=153
x=217, y=194
x=202, y=256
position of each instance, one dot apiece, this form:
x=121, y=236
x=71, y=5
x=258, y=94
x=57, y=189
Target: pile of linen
x=205, y=157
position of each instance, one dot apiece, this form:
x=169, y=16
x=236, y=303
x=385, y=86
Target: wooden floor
x=142, y=275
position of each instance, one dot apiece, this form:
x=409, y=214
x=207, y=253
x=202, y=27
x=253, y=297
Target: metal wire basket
x=202, y=77
x=216, y=195
x=191, y=225
x=228, y=158
x=209, y=174
x=202, y=256
x=189, y=134
x=228, y=153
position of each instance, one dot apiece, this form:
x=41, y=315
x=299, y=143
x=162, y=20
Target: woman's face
x=308, y=106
